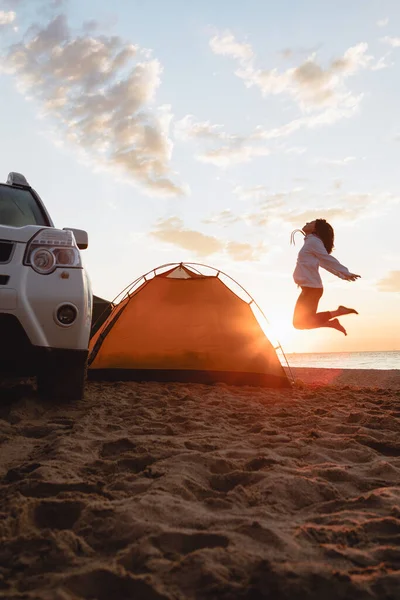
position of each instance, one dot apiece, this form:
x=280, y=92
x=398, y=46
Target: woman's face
x=309, y=227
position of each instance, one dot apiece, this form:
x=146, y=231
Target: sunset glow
x=206, y=132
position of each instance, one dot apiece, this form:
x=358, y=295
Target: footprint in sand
x=21, y=472
x=117, y=447
x=36, y=431
x=261, y=462
x=385, y=448
x=46, y=489
x=226, y=483
x=172, y=543
x=103, y=584
x=57, y=514
x=137, y=464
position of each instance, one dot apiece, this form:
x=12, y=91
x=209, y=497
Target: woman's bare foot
x=336, y=325
x=343, y=310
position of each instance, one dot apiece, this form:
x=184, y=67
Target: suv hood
x=19, y=234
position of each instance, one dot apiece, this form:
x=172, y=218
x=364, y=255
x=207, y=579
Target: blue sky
x=207, y=131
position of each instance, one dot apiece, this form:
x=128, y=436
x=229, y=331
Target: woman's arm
x=329, y=262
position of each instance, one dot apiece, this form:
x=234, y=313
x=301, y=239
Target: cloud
x=390, y=283
x=244, y=251
x=298, y=150
x=268, y=205
x=312, y=86
x=188, y=128
x=173, y=231
x=394, y=42
x=382, y=64
x=329, y=116
x=340, y=207
x=295, y=207
x=233, y=154
x=7, y=17
x=261, y=195
x=100, y=94
x=335, y=162
x=382, y=22
x=319, y=92
x=226, y=45
x=225, y=218
x=339, y=213
x=288, y=53
x=231, y=149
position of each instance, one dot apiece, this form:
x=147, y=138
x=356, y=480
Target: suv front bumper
x=18, y=356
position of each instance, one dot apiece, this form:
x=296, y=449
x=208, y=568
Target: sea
x=345, y=360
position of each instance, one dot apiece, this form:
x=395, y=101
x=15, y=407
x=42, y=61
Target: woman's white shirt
x=312, y=256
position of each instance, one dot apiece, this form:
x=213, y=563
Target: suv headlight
x=52, y=248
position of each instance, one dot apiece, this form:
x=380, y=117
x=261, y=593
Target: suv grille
x=6, y=249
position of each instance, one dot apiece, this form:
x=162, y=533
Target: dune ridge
x=158, y=491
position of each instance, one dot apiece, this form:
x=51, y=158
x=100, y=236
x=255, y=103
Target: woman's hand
x=352, y=277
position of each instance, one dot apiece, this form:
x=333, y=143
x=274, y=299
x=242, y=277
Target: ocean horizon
x=344, y=360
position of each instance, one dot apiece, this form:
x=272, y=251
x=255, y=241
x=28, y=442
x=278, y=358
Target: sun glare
x=278, y=330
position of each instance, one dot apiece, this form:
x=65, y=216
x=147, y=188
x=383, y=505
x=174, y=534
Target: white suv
x=45, y=295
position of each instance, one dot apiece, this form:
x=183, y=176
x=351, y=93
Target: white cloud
x=335, y=162
x=7, y=17
x=390, y=283
x=226, y=45
x=381, y=63
x=188, y=128
x=298, y=150
x=232, y=154
x=312, y=86
x=225, y=218
x=392, y=41
x=263, y=196
x=231, y=149
x=172, y=231
x=382, y=22
x=100, y=94
x=319, y=92
x=296, y=207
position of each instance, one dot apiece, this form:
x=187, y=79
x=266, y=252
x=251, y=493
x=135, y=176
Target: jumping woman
x=316, y=252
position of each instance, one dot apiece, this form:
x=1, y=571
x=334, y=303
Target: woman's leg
x=343, y=310
x=305, y=312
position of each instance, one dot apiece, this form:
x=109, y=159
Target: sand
x=156, y=491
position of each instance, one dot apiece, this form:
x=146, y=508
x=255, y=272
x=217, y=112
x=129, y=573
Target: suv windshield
x=18, y=208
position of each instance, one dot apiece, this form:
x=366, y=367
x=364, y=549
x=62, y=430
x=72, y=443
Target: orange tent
x=181, y=325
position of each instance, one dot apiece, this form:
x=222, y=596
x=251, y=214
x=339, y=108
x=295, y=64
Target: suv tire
x=64, y=381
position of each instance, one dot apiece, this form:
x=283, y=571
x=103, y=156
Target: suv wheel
x=62, y=381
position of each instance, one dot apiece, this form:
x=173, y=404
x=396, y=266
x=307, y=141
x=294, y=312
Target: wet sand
x=181, y=491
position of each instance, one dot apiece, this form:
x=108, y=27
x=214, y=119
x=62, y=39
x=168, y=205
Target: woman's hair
x=325, y=232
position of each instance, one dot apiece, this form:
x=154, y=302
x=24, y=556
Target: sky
x=206, y=132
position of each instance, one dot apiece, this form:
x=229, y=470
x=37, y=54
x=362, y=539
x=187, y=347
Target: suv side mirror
x=81, y=237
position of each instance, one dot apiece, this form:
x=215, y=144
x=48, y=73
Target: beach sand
x=181, y=491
